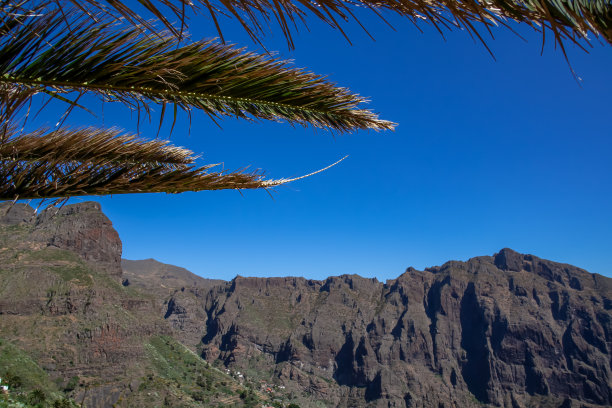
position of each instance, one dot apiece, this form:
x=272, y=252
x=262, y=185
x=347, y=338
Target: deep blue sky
x=488, y=154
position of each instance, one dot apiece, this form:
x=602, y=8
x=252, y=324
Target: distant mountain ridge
x=508, y=330
x=151, y=275
x=178, y=291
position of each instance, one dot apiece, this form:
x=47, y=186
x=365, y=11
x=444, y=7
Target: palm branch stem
x=176, y=94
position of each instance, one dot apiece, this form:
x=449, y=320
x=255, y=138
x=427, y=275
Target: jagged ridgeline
x=78, y=325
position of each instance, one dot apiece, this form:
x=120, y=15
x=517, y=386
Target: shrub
x=72, y=384
x=62, y=403
x=198, y=396
x=37, y=397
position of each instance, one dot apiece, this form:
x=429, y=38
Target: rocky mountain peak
x=508, y=260
x=81, y=228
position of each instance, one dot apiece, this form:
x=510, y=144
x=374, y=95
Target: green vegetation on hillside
x=29, y=385
x=102, y=343
x=180, y=378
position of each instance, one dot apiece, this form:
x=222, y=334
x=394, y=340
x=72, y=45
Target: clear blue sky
x=488, y=154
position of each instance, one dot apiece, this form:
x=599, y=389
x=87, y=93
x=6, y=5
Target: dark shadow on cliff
x=476, y=371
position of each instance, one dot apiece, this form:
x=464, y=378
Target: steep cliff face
x=510, y=330
x=80, y=228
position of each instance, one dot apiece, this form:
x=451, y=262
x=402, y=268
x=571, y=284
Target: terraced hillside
x=71, y=333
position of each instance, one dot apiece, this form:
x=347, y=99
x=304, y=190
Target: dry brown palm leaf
x=92, y=144
x=12, y=99
x=66, y=163
x=122, y=65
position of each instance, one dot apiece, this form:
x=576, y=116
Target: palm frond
x=92, y=144
x=123, y=65
x=568, y=19
x=12, y=99
x=65, y=163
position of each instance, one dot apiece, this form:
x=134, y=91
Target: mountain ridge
x=140, y=273
x=456, y=324
x=507, y=330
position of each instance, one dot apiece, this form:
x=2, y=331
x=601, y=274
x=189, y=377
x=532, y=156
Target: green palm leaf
x=64, y=163
x=567, y=18
x=123, y=65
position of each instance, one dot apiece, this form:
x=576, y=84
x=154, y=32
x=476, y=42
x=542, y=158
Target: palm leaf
x=123, y=65
x=568, y=19
x=91, y=144
x=12, y=99
x=65, y=163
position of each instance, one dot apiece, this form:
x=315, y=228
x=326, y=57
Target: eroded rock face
x=184, y=312
x=81, y=228
x=510, y=330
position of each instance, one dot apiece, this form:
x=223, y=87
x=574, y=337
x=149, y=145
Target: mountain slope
x=176, y=290
x=154, y=276
x=68, y=328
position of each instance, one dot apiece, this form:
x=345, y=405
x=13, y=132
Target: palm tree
x=64, y=49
